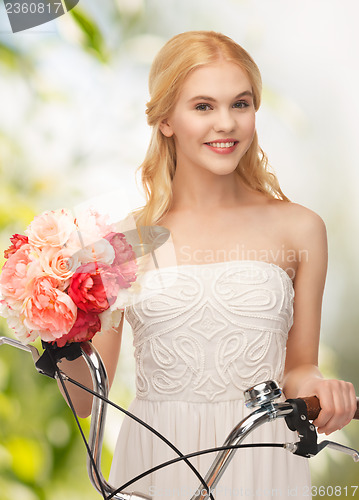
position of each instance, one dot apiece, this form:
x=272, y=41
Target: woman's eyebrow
x=212, y=99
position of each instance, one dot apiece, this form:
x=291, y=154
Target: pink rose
x=59, y=263
x=85, y=327
x=49, y=311
x=18, y=272
x=127, y=271
x=94, y=287
x=123, y=250
x=91, y=227
x=102, y=222
x=17, y=241
x=52, y=228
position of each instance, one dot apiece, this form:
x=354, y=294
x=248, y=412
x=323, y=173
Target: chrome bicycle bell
x=262, y=393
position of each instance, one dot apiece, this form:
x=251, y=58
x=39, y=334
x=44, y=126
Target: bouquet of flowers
x=61, y=278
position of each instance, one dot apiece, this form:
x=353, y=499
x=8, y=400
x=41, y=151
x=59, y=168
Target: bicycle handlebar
x=297, y=413
x=262, y=394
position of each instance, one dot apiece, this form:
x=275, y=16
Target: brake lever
x=339, y=447
x=297, y=448
x=24, y=347
x=46, y=363
x=307, y=445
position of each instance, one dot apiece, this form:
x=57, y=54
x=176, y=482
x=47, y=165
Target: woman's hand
x=337, y=401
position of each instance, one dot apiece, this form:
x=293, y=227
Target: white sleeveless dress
x=202, y=335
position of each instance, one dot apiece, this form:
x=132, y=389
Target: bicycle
x=261, y=398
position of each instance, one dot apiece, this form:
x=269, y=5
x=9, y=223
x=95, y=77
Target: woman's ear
x=166, y=128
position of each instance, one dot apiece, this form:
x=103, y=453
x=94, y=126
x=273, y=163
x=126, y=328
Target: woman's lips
x=223, y=147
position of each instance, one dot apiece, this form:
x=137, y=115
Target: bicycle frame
x=262, y=395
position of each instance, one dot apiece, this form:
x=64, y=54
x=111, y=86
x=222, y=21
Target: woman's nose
x=224, y=121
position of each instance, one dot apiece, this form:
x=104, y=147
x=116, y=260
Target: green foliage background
x=41, y=453
x=42, y=456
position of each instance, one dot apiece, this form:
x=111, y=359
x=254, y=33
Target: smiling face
x=213, y=121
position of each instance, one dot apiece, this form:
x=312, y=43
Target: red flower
x=85, y=327
x=124, y=263
x=94, y=287
x=123, y=250
x=127, y=271
x=17, y=241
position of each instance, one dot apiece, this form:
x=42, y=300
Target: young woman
x=245, y=304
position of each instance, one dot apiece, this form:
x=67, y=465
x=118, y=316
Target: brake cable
x=169, y=462
x=47, y=365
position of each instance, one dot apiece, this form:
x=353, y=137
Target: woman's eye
x=203, y=107
x=241, y=104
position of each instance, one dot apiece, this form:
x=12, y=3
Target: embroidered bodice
x=205, y=333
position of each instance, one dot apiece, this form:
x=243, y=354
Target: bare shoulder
x=305, y=234
x=303, y=221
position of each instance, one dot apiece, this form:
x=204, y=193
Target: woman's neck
x=208, y=192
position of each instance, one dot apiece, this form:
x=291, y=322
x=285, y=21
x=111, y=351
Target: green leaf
x=93, y=39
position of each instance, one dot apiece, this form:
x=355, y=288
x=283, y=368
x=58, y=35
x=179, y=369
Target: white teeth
x=221, y=144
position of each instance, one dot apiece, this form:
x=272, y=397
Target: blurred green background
x=73, y=129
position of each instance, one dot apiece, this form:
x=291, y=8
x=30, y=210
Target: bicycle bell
x=262, y=393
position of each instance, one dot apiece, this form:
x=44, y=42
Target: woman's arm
x=108, y=345
x=302, y=376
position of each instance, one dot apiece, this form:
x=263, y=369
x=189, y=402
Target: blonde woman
x=245, y=304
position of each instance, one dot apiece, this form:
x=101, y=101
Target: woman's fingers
x=338, y=403
x=326, y=399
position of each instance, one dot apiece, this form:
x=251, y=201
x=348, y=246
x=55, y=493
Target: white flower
x=110, y=319
x=15, y=320
x=99, y=251
x=91, y=227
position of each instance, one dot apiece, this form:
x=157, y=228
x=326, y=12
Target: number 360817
x=330, y=491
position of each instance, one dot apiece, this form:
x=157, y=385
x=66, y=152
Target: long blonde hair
x=178, y=57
